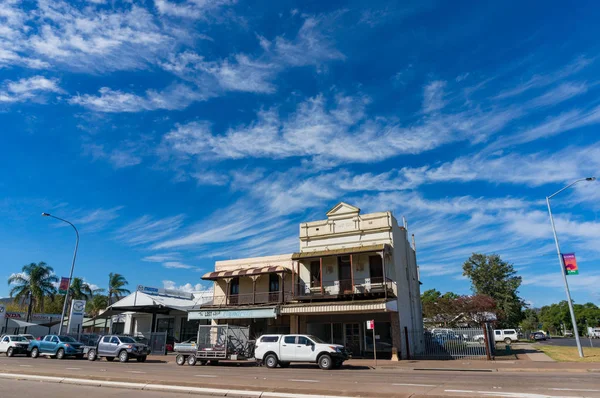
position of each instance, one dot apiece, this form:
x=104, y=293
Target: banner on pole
x=570, y=264
x=76, y=316
x=371, y=325
x=64, y=285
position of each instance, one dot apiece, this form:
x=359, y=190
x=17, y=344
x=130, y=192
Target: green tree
x=32, y=285
x=531, y=321
x=96, y=304
x=116, y=289
x=80, y=290
x=491, y=276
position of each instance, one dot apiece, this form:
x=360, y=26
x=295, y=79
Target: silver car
x=122, y=347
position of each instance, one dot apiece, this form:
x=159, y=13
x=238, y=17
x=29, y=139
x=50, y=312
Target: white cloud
x=174, y=97
x=210, y=178
x=433, y=96
x=147, y=229
x=194, y=9
x=119, y=158
x=561, y=93
x=176, y=265
x=159, y=258
x=25, y=89
x=95, y=220
x=188, y=287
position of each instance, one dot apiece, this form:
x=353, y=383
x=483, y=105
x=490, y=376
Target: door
x=113, y=347
x=52, y=346
x=345, y=274
x=304, y=349
x=45, y=343
x=287, y=348
x=4, y=344
x=352, y=337
x=104, y=345
x=498, y=335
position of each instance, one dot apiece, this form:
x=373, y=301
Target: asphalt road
x=311, y=380
x=585, y=342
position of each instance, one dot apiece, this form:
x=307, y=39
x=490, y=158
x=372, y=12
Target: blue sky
x=176, y=133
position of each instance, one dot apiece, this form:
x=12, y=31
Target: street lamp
x=64, y=310
x=562, y=264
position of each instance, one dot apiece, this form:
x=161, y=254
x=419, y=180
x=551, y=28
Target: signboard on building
x=76, y=316
x=2, y=312
x=570, y=264
x=64, y=285
x=371, y=325
x=164, y=292
x=232, y=314
x=34, y=317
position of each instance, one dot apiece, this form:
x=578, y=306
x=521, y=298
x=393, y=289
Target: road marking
x=135, y=371
x=304, y=381
x=72, y=368
x=25, y=366
x=508, y=394
x=573, y=389
x=414, y=385
x=205, y=376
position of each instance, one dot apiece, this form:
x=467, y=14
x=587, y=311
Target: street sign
x=570, y=263
x=371, y=325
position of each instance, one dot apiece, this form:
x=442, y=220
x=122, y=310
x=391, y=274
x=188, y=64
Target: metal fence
x=453, y=343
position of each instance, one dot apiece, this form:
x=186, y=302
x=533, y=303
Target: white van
x=506, y=335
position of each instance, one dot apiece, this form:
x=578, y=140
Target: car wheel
x=284, y=364
x=10, y=352
x=35, y=353
x=191, y=360
x=144, y=358
x=271, y=361
x=123, y=356
x=180, y=360
x=60, y=354
x=110, y=359
x=91, y=355
x=325, y=362
x=507, y=341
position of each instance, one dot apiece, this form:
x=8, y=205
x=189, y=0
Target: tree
x=116, y=283
x=450, y=308
x=32, y=285
x=96, y=304
x=531, y=321
x=81, y=290
x=491, y=276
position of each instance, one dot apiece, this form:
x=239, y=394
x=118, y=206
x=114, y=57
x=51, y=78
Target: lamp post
x=64, y=310
x=562, y=264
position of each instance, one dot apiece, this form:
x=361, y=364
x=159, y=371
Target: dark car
x=537, y=336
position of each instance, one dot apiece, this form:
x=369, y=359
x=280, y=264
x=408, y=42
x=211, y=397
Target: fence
x=451, y=343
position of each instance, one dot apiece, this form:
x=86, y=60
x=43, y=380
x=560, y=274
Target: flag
x=64, y=285
x=570, y=263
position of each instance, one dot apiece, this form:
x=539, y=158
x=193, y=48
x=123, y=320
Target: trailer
x=216, y=343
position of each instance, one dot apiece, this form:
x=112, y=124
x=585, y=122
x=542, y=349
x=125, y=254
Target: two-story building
x=350, y=268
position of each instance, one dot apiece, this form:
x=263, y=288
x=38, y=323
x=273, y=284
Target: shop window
x=315, y=273
x=376, y=269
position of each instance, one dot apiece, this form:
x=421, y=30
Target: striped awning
x=244, y=272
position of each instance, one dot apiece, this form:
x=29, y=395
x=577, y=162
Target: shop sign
x=164, y=292
x=232, y=314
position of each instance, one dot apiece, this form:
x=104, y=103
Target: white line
x=304, y=381
x=25, y=366
x=135, y=371
x=206, y=376
x=72, y=368
x=414, y=385
x=573, y=389
x=508, y=394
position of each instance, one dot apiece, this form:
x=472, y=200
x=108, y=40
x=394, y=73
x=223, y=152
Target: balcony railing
x=249, y=299
x=366, y=286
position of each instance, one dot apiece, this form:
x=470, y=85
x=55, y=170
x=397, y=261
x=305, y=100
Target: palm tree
x=97, y=304
x=81, y=290
x=35, y=282
x=115, y=287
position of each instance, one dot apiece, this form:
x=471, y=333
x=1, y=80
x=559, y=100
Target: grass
x=570, y=354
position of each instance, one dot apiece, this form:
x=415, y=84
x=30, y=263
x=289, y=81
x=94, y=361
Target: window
x=289, y=339
x=315, y=273
x=54, y=339
x=376, y=269
x=269, y=339
x=106, y=339
x=498, y=332
x=509, y=332
x=114, y=340
x=5, y=340
x=303, y=340
x=234, y=286
x=48, y=338
x=273, y=283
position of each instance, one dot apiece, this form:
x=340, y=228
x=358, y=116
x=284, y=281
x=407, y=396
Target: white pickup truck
x=283, y=349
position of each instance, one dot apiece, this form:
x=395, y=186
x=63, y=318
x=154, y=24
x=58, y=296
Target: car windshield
x=67, y=339
x=316, y=339
x=125, y=339
x=18, y=338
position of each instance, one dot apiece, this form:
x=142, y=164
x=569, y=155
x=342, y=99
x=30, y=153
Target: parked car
x=13, y=345
x=29, y=337
x=500, y=335
x=537, y=336
x=283, y=349
x=56, y=346
x=122, y=347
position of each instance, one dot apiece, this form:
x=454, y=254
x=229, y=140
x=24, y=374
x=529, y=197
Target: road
x=311, y=380
x=585, y=342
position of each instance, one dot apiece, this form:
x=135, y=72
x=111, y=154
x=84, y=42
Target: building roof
x=144, y=302
x=337, y=252
x=244, y=272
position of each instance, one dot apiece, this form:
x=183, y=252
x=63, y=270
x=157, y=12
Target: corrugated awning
x=337, y=252
x=340, y=307
x=245, y=272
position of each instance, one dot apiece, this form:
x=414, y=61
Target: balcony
x=258, y=298
x=367, y=287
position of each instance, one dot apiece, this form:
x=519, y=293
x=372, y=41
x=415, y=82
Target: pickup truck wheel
x=110, y=359
x=271, y=361
x=35, y=353
x=325, y=362
x=507, y=341
x=180, y=360
x=123, y=356
x=10, y=352
x=60, y=354
x=91, y=355
x=191, y=360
